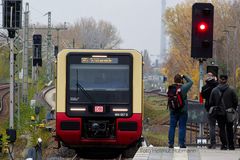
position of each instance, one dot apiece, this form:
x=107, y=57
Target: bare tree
x=88, y=33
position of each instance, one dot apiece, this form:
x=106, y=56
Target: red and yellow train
x=99, y=99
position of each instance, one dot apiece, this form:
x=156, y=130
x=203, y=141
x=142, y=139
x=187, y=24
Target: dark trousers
x=230, y=135
x=175, y=118
x=212, y=129
x=226, y=131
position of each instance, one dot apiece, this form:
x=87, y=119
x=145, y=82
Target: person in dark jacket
x=229, y=100
x=211, y=82
x=180, y=116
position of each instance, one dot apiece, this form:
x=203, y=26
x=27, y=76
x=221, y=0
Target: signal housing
x=202, y=30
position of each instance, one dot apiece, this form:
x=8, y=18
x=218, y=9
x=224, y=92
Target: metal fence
x=198, y=128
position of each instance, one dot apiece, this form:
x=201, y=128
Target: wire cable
x=10, y=152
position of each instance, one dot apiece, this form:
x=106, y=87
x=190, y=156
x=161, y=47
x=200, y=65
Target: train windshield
x=103, y=83
x=100, y=77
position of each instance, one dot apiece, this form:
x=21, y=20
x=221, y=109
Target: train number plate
x=98, y=109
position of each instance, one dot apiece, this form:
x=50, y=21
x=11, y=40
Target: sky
x=138, y=21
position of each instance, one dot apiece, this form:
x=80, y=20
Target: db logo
x=98, y=109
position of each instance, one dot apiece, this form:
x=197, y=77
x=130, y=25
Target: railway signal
x=37, y=48
x=55, y=51
x=202, y=40
x=12, y=20
x=202, y=30
x=12, y=14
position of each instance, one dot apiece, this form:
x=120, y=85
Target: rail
x=43, y=95
x=3, y=87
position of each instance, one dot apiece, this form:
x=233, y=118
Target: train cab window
x=101, y=83
x=99, y=77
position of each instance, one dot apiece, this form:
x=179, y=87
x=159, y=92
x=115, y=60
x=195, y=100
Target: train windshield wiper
x=79, y=86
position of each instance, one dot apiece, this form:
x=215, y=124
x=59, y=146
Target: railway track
x=4, y=91
x=64, y=152
x=43, y=96
x=4, y=103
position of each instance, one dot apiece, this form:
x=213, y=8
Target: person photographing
x=178, y=106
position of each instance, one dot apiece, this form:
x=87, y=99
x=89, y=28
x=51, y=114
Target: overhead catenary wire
x=41, y=15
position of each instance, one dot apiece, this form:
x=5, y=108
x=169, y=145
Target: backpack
x=175, y=99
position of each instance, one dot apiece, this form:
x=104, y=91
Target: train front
x=99, y=98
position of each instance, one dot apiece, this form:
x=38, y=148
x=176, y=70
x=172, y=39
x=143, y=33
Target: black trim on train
x=70, y=125
x=127, y=59
x=127, y=126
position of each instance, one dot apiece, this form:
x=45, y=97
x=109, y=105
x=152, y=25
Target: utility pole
x=58, y=29
x=18, y=89
x=17, y=57
x=201, y=74
x=228, y=43
x=12, y=21
x=25, y=56
x=12, y=81
x=73, y=42
x=49, y=48
x=233, y=53
x=235, y=57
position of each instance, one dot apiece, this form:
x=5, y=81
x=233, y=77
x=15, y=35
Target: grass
x=156, y=111
x=156, y=139
x=27, y=127
x=155, y=108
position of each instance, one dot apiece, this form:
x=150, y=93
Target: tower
x=162, y=32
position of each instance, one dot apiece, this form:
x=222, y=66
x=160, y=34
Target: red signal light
x=202, y=27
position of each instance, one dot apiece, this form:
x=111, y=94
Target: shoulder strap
x=221, y=93
x=179, y=88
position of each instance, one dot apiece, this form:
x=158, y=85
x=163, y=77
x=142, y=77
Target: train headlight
x=120, y=110
x=78, y=109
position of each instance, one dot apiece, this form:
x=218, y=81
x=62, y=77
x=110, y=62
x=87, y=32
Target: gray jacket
x=229, y=96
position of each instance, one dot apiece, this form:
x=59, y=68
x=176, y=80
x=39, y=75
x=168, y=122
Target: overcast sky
x=138, y=21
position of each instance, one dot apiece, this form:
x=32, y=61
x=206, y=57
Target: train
x=99, y=99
